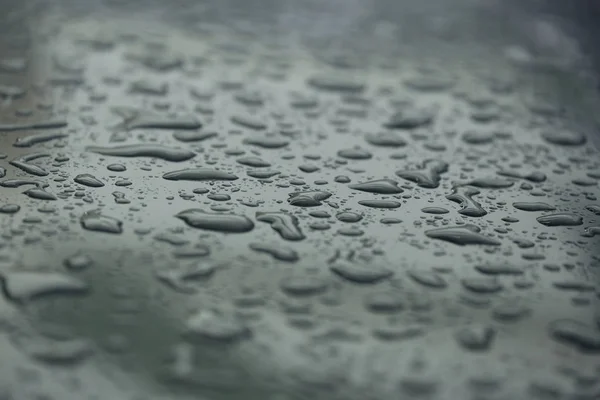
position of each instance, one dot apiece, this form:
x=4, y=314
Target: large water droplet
x=227, y=223
x=144, y=150
x=24, y=286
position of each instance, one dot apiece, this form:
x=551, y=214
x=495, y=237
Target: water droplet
x=387, y=204
x=428, y=278
x=490, y=183
x=576, y=334
x=78, y=262
x=435, y=210
x=482, y=284
x=361, y=273
x=28, y=141
x=564, y=138
x=267, y=142
x=462, y=235
x=216, y=325
x=304, y=285
x=23, y=163
x=134, y=118
x=427, y=176
x=535, y=176
x=356, y=153
x=380, y=186
x=533, y=206
x=308, y=168
x=199, y=174
x=94, y=221
x=64, y=351
x=476, y=337
x=227, y=223
x=193, y=136
x=149, y=88
x=410, y=118
x=308, y=199
x=144, y=150
x=248, y=121
x=385, y=139
x=263, y=173
x=336, y=83
x=500, y=269
x=560, y=219
x=116, y=167
x=50, y=124
x=255, y=162
x=510, y=311
x=384, y=302
x=25, y=286
x=470, y=207
x=283, y=223
x=9, y=208
x=478, y=138
x=349, y=217
x=278, y=252
x=88, y=180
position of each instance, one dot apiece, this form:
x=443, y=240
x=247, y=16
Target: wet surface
x=291, y=200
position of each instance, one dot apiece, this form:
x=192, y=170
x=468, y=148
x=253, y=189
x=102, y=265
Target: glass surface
x=299, y=199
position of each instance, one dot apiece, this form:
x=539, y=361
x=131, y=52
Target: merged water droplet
x=361, y=273
x=462, y=235
x=95, y=221
x=144, y=150
x=226, y=223
x=427, y=176
x=278, y=252
x=561, y=219
x=564, y=138
x=533, y=206
x=199, y=174
x=308, y=199
x=463, y=196
x=24, y=286
x=32, y=140
x=283, y=223
x=336, y=83
x=576, y=334
x=387, y=204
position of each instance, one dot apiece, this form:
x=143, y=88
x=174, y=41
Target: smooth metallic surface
x=299, y=199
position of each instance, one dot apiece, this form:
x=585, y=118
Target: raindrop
x=462, y=235
x=380, y=186
x=361, y=273
x=199, y=174
x=278, y=252
x=387, y=204
x=24, y=286
x=144, y=150
x=463, y=196
x=227, y=223
x=476, y=337
x=427, y=176
x=216, y=325
x=308, y=199
x=94, y=221
x=561, y=219
x=88, y=180
x=283, y=223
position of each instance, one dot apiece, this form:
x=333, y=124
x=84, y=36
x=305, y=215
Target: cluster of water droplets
x=258, y=221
